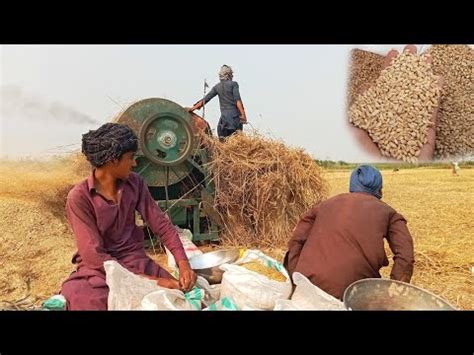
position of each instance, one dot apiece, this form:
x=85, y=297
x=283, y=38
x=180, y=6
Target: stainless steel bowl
x=207, y=264
x=391, y=295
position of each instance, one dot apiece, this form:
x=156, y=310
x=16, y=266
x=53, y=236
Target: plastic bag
x=308, y=297
x=190, y=248
x=224, y=304
x=128, y=291
x=165, y=300
x=54, y=303
x=252, y=290
x=173, y=300
x=211, y=292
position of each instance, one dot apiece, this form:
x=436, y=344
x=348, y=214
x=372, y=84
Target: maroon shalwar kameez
x=105, y=230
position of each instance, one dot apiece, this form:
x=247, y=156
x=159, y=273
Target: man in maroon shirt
x=101, y=213
x=341, y=240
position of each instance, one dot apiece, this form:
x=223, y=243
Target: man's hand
x=243, y=119
x=196, y=106
x=187, y=277
x=363, y=138
x=404, y=278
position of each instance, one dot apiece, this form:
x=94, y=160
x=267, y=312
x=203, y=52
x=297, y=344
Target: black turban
x=109, y=142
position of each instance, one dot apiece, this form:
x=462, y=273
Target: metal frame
x=195, y=204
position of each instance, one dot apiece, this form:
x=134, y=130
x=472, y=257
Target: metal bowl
x=207, y=264
x=391, y=295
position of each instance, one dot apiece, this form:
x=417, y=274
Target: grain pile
x=455, y=64
x=262, y=188
x=397, y=109
x=257, y=267
x=455, y=129
x=365, y=68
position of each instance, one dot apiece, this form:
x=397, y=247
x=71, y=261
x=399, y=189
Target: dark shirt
x=228, y=92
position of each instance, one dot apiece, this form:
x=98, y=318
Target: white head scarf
x=226, y=73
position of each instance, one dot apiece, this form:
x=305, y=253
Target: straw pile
x=262, y=188
x=36, y=244
x=46, y=182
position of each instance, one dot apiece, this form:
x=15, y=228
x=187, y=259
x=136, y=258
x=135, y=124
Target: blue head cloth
x=366, y=178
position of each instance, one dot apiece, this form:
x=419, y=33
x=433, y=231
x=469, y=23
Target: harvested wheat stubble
x=397, y=110
x=262, y=188
x=365, y=68
x=257, y=267
x=455, y=129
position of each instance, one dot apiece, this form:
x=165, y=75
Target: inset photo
x=414, y=103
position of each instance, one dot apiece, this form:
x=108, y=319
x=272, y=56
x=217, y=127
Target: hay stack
x=262, y=188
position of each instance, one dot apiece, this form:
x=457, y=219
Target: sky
x=52, y=94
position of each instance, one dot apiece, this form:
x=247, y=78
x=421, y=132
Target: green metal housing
x=173, y=162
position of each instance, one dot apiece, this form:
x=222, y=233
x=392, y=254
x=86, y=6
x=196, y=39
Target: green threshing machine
x=173, y=162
